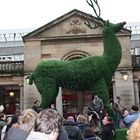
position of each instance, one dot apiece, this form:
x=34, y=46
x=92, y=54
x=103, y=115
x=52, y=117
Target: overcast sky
x=20, y=14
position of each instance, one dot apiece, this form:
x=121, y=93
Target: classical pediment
x=71, y=24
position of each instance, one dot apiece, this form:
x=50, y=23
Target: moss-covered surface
x=121, y=134
x=91, y=73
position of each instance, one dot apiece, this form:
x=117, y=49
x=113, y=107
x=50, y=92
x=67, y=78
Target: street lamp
x=11, y=93
x=125, y=75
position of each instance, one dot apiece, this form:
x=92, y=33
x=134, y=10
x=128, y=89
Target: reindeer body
x=80, y=72
x=92, y=73
x=89, y=73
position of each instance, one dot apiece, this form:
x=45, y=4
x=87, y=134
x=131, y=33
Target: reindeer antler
x=88, y=23
x=93, y=7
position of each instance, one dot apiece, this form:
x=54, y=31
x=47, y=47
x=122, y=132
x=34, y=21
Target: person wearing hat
x=118, y=112
x=129, y=119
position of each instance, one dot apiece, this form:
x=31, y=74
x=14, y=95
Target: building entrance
x=10, y=98
x=77, y=102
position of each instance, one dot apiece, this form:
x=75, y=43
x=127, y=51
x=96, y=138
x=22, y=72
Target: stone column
x=114, y=90
x=136, y=93
x=21, y=98
x=59, y=101
x=80, y=102
x=125, y=89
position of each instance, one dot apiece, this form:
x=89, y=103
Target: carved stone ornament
x=75, y=28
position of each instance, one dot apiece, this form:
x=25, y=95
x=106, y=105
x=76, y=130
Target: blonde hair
x=27, y=119
x=134, y=132
x=81, y=119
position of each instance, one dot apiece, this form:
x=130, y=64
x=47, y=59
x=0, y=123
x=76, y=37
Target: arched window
x=73, y=55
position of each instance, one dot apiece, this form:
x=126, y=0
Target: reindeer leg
x=100, y=88
x=48, y=90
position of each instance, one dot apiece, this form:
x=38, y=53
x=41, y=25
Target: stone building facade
x=68, y=38
x=65, y=38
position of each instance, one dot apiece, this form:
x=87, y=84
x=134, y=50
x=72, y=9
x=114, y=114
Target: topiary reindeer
x=90, y=73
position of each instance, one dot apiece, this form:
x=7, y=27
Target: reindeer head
x=107, y=26
x=114, y=28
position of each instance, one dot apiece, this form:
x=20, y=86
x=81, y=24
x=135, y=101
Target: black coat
x=63, y=135
x=108, y=132
x=72, y=130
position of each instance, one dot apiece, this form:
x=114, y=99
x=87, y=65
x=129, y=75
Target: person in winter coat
x=63, y=134
x=21, y=129
x=36, y=106
x=108, y=130
x=72, y=129
x=13, y=123
x=94, y=122
x=132, y=117
x=48, y=125
x=89, y=134
x=3, y=131
x=2, y=122
x=118, y=112
x=98, y=104
x=82, y=122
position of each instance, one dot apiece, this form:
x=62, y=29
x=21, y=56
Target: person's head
x=52, y=106
x=17, y=112
x=106, y=120
x=27, y=119
x=96, y=97
x=70, y=118
x=88, y=132
x=37, y=102
x=81, y=119
x=124, y=108
x=3, y=116
x=134, y=131
x=49, y=121
x=134, y=108
x=118, y=98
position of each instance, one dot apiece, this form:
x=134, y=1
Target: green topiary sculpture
x=91, y=73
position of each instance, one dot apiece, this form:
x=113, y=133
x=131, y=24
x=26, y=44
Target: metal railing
x=11, y=67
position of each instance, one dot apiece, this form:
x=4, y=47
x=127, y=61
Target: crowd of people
x=48, y=124
x=123, y=117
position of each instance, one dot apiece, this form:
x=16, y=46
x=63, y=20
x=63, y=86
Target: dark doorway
x=10, y=98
